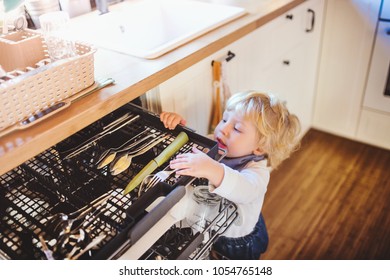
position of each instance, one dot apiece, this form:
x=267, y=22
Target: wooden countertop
x=133, y=76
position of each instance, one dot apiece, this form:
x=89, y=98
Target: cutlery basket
x=33, y=82
x=52, y=183
x=20, y=50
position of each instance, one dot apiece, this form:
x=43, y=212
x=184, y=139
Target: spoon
x=108, y=156
x=60, y=223
x=78, y=237
x=110, y=151
x=125, y=160
x=72, y=242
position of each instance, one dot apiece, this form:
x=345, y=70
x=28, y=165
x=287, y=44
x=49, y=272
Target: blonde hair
x=277, y=130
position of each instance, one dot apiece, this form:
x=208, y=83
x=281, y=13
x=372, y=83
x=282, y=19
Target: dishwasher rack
x=182, y=242
x=52, y=183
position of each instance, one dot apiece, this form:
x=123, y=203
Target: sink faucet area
x=150, y=28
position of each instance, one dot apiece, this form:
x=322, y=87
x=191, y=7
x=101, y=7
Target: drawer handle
x=313, y=18
x=286, y=62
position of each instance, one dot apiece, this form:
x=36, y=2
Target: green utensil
x=165, y=155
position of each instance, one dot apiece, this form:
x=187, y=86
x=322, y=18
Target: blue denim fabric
x=248, y=247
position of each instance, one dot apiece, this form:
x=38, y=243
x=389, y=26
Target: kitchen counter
x=133, y=77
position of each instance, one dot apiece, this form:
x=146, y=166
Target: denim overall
x=251, y=246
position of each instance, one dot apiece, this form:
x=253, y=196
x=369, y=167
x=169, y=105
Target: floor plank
x=330, y=200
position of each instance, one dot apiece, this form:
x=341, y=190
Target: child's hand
x=171, y=120
x=198, y=164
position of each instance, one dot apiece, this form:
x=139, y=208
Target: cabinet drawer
x=374, y=128
x=285, y=32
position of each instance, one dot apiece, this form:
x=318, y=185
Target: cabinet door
x=346, y=48
x=287, y=79
x=374, y=128
x=292, y=72
x=309, y=48
x=258, y=51
x=376, y=96
x=190, y=94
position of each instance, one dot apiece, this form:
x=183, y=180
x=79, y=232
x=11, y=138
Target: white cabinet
x=292, y=72
x=374, y=123
x=190, y=94
x=374, y=128
x=280, y=57
x=349, y=99
x=375, y=97
x=348, y=38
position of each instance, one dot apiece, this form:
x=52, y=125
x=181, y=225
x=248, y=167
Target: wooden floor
x=330, y=200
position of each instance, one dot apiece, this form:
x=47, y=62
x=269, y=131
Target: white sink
x=150, y=28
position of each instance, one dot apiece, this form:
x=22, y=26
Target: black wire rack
x=182, y=241
x=52, y=183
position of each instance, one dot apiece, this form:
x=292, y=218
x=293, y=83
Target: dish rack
x=51, y=182
x=182, y=242
x=32, y=81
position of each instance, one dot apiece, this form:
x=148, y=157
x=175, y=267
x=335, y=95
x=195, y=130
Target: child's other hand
x=198, y=164
x=171, y=120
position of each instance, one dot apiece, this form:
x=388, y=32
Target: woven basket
x=37, y=83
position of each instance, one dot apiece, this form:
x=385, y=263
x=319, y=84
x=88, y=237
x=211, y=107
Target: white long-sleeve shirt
x=246, y=188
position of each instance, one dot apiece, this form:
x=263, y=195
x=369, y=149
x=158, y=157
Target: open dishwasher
x=68, y=202
x=184, y=240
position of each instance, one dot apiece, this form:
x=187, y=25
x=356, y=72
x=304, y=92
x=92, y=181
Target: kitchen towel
x=221, y=92
x=217, y=106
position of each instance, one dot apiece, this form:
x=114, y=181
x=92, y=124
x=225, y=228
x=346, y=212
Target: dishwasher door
x=65, y=178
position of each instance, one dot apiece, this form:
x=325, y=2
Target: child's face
x=237, y=135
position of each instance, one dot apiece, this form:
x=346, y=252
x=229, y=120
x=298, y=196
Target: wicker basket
x=36, y=83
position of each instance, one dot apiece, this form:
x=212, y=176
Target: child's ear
x=258, y=152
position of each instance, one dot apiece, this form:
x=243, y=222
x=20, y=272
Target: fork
x=156, y=178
